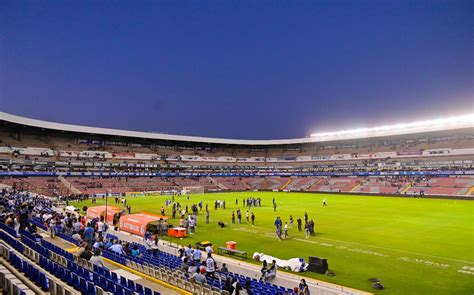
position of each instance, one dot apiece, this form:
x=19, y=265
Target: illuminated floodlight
x=465, y=121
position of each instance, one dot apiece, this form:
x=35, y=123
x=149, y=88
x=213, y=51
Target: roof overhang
x=453, y=123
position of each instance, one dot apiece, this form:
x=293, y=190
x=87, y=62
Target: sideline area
x=285, y=279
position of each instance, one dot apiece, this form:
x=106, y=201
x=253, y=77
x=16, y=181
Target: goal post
x=198, y=189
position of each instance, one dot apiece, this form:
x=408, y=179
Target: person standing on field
x=306, y=230
x=239, y=216
x=286, y=230
x=253, y=219
x=299, y=224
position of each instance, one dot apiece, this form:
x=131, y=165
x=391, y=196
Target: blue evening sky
x=236, y=69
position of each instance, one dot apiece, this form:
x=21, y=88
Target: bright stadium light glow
x=465, y=121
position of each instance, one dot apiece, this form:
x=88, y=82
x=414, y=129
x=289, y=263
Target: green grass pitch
x=414, y=246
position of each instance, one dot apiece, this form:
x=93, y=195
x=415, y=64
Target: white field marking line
x=403, y=251
x=378, y=247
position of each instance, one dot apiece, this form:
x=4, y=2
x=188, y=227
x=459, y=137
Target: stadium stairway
x=406, y=188
x=470, y=192
x=69, y=185
x=286, y=184
x=354, y=189
x=220, y=185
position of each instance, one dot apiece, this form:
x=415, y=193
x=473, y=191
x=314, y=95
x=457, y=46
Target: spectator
x=264, y=269
x=188, y=251
x=184, y=264
x=107, y=244
x=210, y=265
x=271, y=272
x=203, y=266
x=197, y=256
x=248, y=287
x=87, y=254
x=228, y=286
x=117, y=248
x=97, y=259
x=81, y=249
x=76, y=237
x=181, y=252
x=89, y=234
x=237, y=286
x=98, y=244
x=224, y=269
x=209, y=249
x=192, y=268
x=135, y=251
x=52, y=227
x=101, y=227
x=303, y=288
x=200, y=277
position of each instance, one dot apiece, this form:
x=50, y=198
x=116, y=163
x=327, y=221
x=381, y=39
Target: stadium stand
x=63, y=158
x=43, y=261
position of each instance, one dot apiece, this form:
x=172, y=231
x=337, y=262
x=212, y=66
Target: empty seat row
x=10, y=284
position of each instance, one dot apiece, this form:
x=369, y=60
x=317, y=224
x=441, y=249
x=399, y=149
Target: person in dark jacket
x=228, y=286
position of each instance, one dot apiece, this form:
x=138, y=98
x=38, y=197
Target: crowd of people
x=19, y=207
x=200, y=265
x=282, y=231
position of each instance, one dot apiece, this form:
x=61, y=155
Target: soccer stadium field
x=414, y=246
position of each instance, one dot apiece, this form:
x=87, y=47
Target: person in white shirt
x=77, y=226
x=285, y=229
x=101, y=227
x=52, y=227
x=210, y=265
x=77, y=237
x=16, y=226
x=200, y=278
x=271, y=272
x=116, y=247
x=98, y=243
x=152, y=244
x=188, y=251
x=209, y=249
x=97, y=259
x=192, y=268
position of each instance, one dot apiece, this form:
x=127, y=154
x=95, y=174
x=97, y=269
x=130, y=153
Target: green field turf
x=414, y=246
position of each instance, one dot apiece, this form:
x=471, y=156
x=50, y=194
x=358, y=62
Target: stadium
x=390, y=204
x=204, y=147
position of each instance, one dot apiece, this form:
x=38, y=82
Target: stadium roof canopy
x=446, y=124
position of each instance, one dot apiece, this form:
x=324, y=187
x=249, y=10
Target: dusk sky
x=236, y=69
